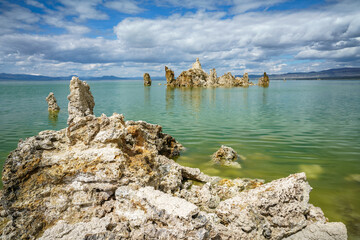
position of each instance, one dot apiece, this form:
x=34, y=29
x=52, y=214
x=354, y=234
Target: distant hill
x=343, y=73
x=29, y=77
x=339, y=73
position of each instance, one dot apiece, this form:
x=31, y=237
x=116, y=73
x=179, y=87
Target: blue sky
x=127, y=38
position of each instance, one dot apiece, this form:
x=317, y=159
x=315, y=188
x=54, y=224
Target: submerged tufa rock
x=81, y=101
x=107, y=178
x=147, y=79
x=52, y=103
x=225, y=156
x=264, y=81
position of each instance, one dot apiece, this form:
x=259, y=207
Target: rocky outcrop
x=107, y=178
x=81, y=101
x=197, y=77
x=213, y=79
x=225, y=156
x=190, y=78
x=169, y=75
x=264, y=81
x=147, y=79
x=52, y=103
x=227, y=79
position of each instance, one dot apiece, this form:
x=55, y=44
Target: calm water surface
x=293, y=126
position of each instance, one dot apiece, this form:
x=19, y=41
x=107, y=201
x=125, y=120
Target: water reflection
x=53, y=118
x=191, y=97
x=147, y=95
x=170, y=96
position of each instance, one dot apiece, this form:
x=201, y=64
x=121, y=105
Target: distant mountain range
x=339, y=73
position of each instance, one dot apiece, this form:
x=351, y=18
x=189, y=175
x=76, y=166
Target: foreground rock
x=225, y=156
x=147, y=79
x=264, y=81
x=53, y=107
x=197, y=77
x=107, y=178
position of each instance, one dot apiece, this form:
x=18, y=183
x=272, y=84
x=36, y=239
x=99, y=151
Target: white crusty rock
x=225, y=156
x=197, y=64
x=52, y=103
x=107, y=178
x=81, y=101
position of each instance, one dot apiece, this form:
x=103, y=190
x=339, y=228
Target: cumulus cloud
x=83, y=9
x=253, y=41
x=14, y=18
x=129, y=7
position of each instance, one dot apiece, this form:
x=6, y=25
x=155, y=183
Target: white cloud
x=124, y=6
x=251, y=41
x=35, y=3
x=83, y=9
x=14, y=17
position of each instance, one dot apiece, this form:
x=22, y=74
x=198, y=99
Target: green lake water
x=293, y=126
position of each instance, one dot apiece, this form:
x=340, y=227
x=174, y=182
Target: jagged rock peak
x=147, y=79
x=212, y=76
x=81, y=101
x=52, y=103
x=197, y=64
x=245, y=77
x=170, y=76
x=264, y=80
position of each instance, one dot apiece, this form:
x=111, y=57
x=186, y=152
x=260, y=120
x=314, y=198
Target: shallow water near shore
x=293, y=126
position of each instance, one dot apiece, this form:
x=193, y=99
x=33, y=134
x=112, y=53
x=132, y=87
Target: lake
x=293, y=126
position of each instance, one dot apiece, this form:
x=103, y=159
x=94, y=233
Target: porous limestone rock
x=227, y=79
x=107, y=178
x=213, y=79
x=147, y=79
x=169, y=75
x=52, y=103
x=225, y=156
x=245, y=78
x=264, y=81
x=81, y=101
x=197, y=64
x=197, y=77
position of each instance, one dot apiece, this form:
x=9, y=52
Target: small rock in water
x=264, y=81
x=52, y=103
x=147, y=79
x=225, y=156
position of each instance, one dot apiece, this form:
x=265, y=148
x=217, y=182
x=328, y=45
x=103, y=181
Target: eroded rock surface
x=169, y=75
x=264, y=81
x=52, y=103
x=225, y=156
x=81, y=101
x=107, y=178
x=197, y=77
x=147, y=79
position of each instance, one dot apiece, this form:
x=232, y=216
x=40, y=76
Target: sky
x=128, y=38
